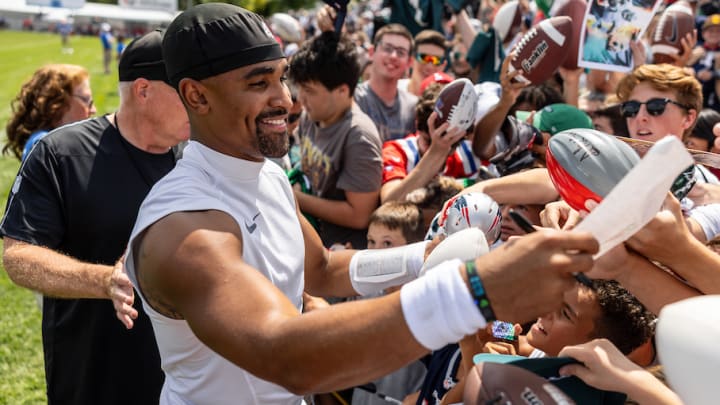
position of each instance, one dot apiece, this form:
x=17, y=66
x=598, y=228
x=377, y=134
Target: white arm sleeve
x=708, y=217
x=372, y=271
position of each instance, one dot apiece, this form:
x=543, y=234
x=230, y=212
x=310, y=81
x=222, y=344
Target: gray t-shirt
x=393, y=122
x=345, y=156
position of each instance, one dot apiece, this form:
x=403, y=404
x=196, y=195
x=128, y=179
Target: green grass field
x=22, y=378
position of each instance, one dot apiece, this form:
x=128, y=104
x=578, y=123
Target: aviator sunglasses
x=654, y=107
x=432, y=59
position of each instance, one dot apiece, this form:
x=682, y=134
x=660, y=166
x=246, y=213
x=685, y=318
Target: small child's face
x=570, y=325
x=711, y=35
x=381, y=237
x=509, y=227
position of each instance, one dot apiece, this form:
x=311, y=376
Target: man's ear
x=345, y=89
x=140, y=89
x=192, y=93
x=690, y=118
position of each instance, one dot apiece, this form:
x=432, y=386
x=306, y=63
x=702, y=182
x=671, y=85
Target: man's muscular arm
x=192, y=263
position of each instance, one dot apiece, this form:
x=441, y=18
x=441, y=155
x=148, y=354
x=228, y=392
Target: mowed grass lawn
x=22, y=377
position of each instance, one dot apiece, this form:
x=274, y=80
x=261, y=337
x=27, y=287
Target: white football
x=457, y=104
x=464, y=245
x=488, y=96
x=508, y=20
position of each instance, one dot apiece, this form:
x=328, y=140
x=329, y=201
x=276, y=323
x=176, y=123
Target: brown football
x=674, y=23
x=497, y=383
x=542, y=50
x=575, y=9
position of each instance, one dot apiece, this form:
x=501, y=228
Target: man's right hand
x=526, y=277
x=442, y=138
x=120, y=291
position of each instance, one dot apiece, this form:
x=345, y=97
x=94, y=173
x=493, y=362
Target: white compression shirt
x=259, y=198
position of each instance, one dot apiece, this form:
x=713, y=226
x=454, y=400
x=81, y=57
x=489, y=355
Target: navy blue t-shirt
x=442, y=366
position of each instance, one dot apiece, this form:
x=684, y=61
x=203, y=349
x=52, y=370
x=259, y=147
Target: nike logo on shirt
x=251, y=227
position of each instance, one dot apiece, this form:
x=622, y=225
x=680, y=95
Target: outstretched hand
x=603, y=366
x=559, y=215
x=638, y=52
x=687, y=43
x=326, y=18
x=511, y=87
x=664, y=237
x=444, y=137
x=120, y=291
x=526, y=277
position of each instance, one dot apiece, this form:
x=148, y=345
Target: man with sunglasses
x=430, y=58
x=661, y=100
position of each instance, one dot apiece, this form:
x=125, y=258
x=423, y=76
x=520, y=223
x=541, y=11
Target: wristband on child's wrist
x=478, y=292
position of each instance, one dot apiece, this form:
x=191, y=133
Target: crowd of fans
x=371, y=166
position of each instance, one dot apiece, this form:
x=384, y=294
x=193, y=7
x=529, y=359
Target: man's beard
x=272, y=144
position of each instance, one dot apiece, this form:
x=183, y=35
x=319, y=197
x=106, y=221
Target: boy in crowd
x=606, y=311
x=412, y=162
x=395, y=223
x=340, y=147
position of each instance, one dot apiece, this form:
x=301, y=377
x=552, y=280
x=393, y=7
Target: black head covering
x=143, y=59
x=214, y=38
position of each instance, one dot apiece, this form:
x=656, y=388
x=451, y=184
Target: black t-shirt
x=78, y=192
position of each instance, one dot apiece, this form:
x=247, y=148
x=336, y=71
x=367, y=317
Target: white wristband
x=372, y=271
x=439, y=308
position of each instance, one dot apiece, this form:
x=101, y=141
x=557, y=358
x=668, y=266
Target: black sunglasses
x=654, y=107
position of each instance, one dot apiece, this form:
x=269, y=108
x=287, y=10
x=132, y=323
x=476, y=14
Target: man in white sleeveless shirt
x=221, y=255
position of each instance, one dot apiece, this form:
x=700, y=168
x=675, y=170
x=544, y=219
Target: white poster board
x=609, y=27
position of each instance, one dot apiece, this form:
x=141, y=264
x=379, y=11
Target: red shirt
x=400, y=156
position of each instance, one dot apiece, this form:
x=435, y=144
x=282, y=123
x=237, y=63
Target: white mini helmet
x=472, y=210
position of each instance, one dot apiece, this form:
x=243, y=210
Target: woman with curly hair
x=56, y=95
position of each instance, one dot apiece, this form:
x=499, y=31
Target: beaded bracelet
x=478, y=292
